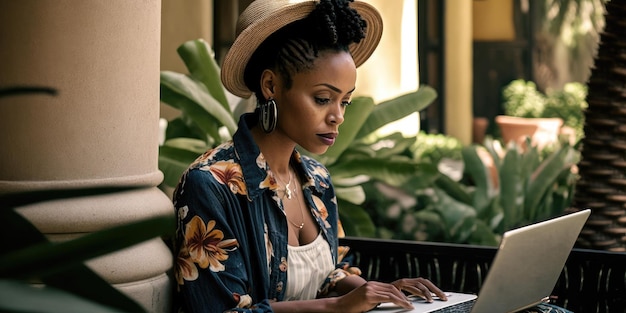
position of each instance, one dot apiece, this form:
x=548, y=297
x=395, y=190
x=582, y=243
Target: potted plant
x=541, y=117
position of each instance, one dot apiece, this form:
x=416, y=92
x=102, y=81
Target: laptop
x=523, y=273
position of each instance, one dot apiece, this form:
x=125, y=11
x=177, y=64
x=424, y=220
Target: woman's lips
x=328, y=139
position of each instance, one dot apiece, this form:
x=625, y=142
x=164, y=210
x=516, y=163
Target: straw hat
x=263, y=17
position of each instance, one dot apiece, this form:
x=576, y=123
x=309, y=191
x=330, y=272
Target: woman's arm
x=211, y=264
x=362, y=299
x=348, y=284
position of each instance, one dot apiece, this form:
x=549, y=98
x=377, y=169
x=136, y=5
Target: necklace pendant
x=301, y=225
x=288, y=192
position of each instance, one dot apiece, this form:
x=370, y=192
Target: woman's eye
x=322, y=100
x=346, y=103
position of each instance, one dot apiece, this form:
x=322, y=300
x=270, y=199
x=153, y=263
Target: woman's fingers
x=421, y=287
x=372, y=293
x=381, y=292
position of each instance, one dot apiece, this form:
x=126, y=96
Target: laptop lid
x=524, y=271
x=528, y=264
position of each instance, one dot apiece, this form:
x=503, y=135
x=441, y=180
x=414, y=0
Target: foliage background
x=423, y=187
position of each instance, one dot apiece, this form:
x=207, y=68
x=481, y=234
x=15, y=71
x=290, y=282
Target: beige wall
x=182, y=21
x=458, y=71
x=393, y=70
x=493, y=20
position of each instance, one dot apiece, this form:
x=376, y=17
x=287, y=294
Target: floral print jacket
x=231, y=237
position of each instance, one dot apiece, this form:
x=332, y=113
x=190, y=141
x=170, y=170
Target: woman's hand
x=369, y=295
x=421, y=287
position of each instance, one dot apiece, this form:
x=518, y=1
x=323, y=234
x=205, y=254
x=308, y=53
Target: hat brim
x=251, y=38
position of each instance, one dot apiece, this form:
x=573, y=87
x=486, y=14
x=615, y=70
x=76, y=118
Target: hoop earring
x=268, y=115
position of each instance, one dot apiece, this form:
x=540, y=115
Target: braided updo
x=332, y=25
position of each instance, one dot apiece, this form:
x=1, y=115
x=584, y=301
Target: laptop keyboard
x=463, y=307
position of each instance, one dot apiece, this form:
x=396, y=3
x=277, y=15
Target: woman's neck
x=276, y=148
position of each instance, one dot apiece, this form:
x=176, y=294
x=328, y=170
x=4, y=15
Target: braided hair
x=333, y=25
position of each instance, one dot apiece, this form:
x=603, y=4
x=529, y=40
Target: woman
x=257, y=221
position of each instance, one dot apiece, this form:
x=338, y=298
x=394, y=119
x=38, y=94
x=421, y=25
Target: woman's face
x=310, y=112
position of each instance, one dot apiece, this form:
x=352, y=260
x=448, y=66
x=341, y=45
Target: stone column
x=458, y=71
x=101, y=130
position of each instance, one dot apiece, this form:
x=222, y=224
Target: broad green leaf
x=530, y=161
x=192, y=97
x=483, y=235
x=18, y=296
x=392, y=145
x=395, y=172
x=432, y=224
x=83, y=282
x=191, y=145
x=465, y=229
x=200, y=61
x=397, y=108
x=481, y=177
x=179, y=128
x=355, y=221
x=46, y=259
x=454, y=214
x=77, y=279
x=173, y=162
x=453, y=189
x=544, y=177
x=350, y=181
x=353, y=194
x=512, y=188
x=493, y=147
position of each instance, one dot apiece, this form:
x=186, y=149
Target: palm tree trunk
x=602, y=184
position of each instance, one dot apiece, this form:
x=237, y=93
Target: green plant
x=501, y=189
x=528, y=186
x=357, y=155
x=522, y=99
x=569, y=104
x=206, y=118
x=69, y=284
x=435, y=147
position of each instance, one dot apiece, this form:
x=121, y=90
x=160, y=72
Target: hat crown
x=261, y=9
x=264, y=17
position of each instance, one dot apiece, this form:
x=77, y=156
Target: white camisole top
x=307, y=268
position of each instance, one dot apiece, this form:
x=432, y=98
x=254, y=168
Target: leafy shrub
x=501, y=189
x=568, y=104
x=435, y=147
x=522, y=99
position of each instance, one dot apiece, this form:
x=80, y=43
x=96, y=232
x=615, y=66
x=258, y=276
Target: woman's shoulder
x=210, y=168
x=222, y=152
x=313, y=166
x=316, y=170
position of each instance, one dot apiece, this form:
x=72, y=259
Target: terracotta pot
x=479, y=129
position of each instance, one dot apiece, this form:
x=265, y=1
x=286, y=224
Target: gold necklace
x=301, y=215
x=287, y=191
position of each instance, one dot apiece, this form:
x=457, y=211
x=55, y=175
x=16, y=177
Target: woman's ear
x=268, y=81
